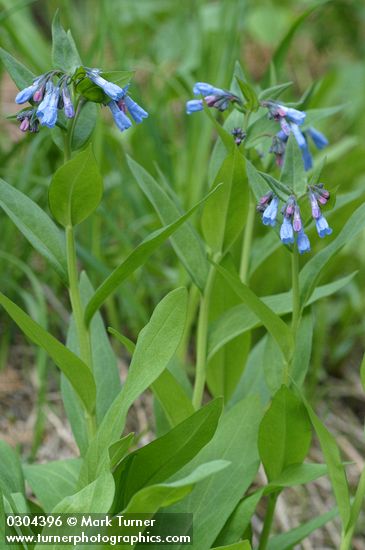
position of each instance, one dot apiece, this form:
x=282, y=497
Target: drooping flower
x=239, y=135
x=297, y=220
x=112, y=90
x=322, y=226
x=321, y=194
x=67, y=102
x=286, y=231
x=319, y=140
x=27, y=93
x=278, y=148
x=316, y=211
x=119, y=116
x=278, y=112
x=213, y=97
x=135, y=110
x=47, y=109
x=270, y=212
x=28, y=121
x=303, y=242
x=264, y=201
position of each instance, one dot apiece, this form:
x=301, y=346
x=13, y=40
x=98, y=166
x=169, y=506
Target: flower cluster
x=239, y=135
x=292, y=221
x=290, y=121
x=213, y=97
x=51, y=92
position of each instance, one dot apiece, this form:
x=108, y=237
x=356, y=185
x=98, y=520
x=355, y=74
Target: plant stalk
x=201, y=345
x=264, y=538
x=247, y=240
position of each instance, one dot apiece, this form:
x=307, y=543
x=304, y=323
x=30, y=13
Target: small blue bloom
x=286, y=231
x=270, y=212
x=307, y=157
x=294, y=115
x=67, y=103
x=135, y=110
x=300, y=139
x=120, y=118
x=24, y=95
x=112, y=90
x=303, y=242
x=193, y=106
x=204, y=89
x=322, y=226
x=319, y=140
x=47, y=109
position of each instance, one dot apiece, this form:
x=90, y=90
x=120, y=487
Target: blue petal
x=307, y=157
x=120, y=119
x=319, y=140
x=298, y=135
x=294, y=115
x=203, y=88
x=136, y=111
x=109, y=88
x=303, y=243
x=193, y=106
x=322, y=226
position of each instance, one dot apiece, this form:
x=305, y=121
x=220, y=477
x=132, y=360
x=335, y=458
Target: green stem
x=295, y=291
x=78, y=312
x=201, y=345
x=247, y=240
x=357, y=504
x=269, y=516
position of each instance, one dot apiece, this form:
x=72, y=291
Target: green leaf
x=240, y=319
x=293, y=173
x=356, y=507
x=76, y=189
x=96, y=498
x=285, y=433
x=243, y=545
x=248, y=92
x=336, y=470
x=76, y=370
x=303, y=349
x=172, y=397
x=236, y=441
x=135, y=259
x=225, y=214
x=85, y=125
x=297, y=474
x=240, y=519
x=278, y=187
x=150, y=499
x=257, y=182
x=277, y=328
x=11, y=476
x=186, y=242
x=36, y=226
x=124, y=340
x=53, y=481
x=166, y=455
x=311, y=271
x=288, y=541
x=226, y=137
x=119, y=449
x=22, y=76
x=64, y=52
x=274, y=91
x=156, y=345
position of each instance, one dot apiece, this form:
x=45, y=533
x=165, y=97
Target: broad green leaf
x=274, y=364
x=119, y=449
x=243, y=545
x=76, y=189
x=152, y=498
x=336, y=470
x=156, y=345
x=248, y=92
x=76, y=370
x=310, y=273
x=277, y=328
x=64, y=52
x=285, y=433
x=36, y=226
x=274, y=91
x=280, y=188
x=53, y=481
x=226, y=137
x=225, y=214
x=11, y=476
x=293, y=173
x=313, y=116
x=259, y=128
x=303, y=349
x=22, y=76
x=240, y=519
x=288, y=541
x=236, y=441
x=186, y=242
x=172, y=397
x=84, y=126
x=135, y=259
x=166, y=455
x=258, y=184
x=240, y=318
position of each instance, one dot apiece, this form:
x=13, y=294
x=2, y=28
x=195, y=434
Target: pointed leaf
x=64, y=52
x=22, y=76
